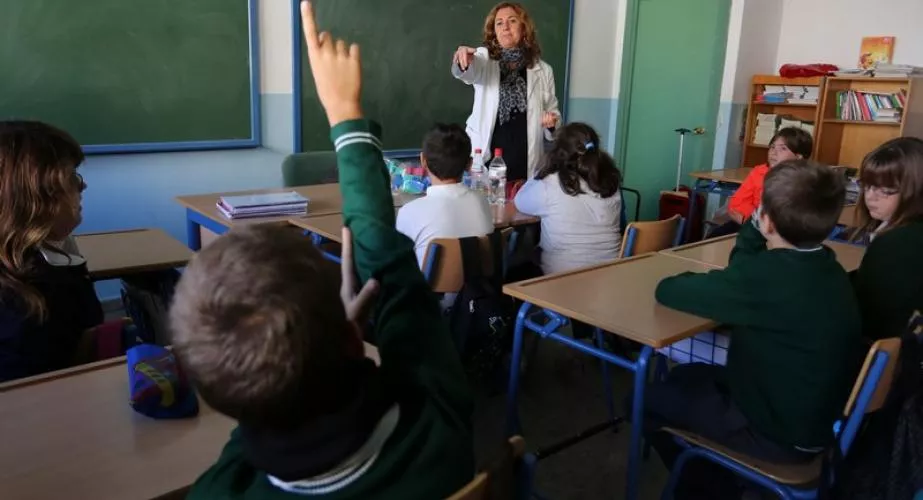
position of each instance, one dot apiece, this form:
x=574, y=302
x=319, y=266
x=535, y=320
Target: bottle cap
x=498, y=152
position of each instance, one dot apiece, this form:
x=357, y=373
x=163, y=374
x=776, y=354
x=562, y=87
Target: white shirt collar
x=451, y=190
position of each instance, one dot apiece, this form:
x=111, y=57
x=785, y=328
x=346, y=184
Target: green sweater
x=795, y=340
x=430, y=453
x=889, y=282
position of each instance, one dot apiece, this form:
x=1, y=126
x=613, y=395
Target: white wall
x=276, y=46
x=594, y=49
x=831, y=31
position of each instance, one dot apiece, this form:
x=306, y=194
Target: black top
x=28, y=347
x=512, y=138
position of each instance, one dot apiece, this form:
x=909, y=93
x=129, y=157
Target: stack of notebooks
x=789, y=122
x=791, y=94
x=263, y=205
x=765, y=129
x=804, y=95
x=774, y=94
x=883, y=70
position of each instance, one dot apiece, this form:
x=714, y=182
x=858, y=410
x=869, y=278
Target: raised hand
x=337, y=70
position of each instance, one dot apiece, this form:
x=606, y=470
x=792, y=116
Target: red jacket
x=750, y=193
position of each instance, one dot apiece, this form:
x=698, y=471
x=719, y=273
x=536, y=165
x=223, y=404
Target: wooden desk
x=72, y=434
x=119, y=253
x=618, y=297
x=204, y=219
x=848, y=216
x=729, y=176
x=330, y=226
x=716, y=252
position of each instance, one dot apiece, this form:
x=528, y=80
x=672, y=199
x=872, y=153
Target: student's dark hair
x=258, y=323
x=796, y=140
x=447, y=150
x=38, y=180
x=804, y=200
x=896, y=164
x=576, y=155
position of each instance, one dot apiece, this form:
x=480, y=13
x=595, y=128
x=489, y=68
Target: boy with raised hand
x=274, y=345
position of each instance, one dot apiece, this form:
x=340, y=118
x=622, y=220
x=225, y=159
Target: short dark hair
x=258, y=323
x=796, y=140
x=576, y=155
x=447, y=150
x=804, y=200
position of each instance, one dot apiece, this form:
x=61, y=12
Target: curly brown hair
x=38, y=180
x=529, y=43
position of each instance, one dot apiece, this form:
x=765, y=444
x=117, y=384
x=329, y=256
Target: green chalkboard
x=407, y=48
x=130, y=72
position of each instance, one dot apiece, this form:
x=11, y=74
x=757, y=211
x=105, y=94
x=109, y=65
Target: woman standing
x=515, y=106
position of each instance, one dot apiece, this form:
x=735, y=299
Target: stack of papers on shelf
x=263, y=205
x=852, y=190
x=853, y=72
x=804, y=95
x=775, y=94
x=897, y=70
x=765, y=129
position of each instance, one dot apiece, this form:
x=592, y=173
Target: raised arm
x=409, y=328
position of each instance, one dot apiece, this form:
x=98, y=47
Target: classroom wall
x=831, y=31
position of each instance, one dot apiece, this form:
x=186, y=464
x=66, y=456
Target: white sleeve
x=550, y=98
x=532, y=198
x=477, y=70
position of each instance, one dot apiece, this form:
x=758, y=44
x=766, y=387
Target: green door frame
x=632, y=11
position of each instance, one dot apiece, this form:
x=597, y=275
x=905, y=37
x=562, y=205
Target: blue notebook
x=263, y=200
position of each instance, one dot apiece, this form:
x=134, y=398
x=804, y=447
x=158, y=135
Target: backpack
x=481, y=316
x=886, y=460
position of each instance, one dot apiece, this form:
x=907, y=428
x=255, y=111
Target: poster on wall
x=874, y=50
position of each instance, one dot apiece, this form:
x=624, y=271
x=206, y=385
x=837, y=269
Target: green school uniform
x=795, y=341
x=430, y=454
x=889, y=282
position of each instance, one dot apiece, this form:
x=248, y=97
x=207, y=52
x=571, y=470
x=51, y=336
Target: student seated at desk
x=889, y=282
x=271, y=344
x=47, y=300
x=795, y=342
x=576, y=194
x=787, y=144
x=449, y=209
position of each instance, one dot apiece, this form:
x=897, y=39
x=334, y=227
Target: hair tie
x=589, y=146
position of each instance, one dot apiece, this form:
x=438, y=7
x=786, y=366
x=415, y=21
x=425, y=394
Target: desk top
x=618, y=297
x=848, y=216
x=73, y=434
x=717, y=252
x=731, y=175
x=325, y=199
x=118, y=253
x=330, y=226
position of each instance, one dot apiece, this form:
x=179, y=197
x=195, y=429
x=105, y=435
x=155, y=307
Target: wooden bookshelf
x=755, y=154
x=846, y=142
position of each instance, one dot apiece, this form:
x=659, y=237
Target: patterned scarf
x=512, y=85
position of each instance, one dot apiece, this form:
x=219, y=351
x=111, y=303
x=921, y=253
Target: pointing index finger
x=309, y=25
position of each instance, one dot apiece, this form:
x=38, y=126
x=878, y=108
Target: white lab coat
x=484, y=74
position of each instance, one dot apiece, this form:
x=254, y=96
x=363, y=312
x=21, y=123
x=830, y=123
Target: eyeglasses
x=880, y=191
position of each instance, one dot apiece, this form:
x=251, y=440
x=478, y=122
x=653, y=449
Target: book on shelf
x=883, y=70
x=857, y=105
x=765, y=129
x=263, y=205
x=874, y=50
x=789, y=94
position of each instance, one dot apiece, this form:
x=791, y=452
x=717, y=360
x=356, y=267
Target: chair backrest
x=623, y=214
x=499, y=481
x=871, y=388
x=652, y=236
x=307, y=169
x=442, y=263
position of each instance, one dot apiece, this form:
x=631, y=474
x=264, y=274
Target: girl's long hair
x=37, y=182
x=576, y=156
x=896, y=164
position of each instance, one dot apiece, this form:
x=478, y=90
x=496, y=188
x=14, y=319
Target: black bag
x=480, y=318
x=886, y=460
x=147, y=298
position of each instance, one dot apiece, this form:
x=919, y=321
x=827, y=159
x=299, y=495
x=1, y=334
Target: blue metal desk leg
x=637, y=422
x=193, y=234
x=513, y=426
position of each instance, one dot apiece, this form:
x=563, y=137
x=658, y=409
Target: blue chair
x=652, y=236
x=623, y=216
x=799, y=481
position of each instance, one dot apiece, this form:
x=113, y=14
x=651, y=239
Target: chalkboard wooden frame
x=298, y=41
x=255, y=139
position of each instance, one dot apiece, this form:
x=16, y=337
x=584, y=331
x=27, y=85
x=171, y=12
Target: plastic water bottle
x=478, y=173
x=496, y=175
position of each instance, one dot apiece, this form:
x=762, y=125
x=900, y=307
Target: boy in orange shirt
x=787, y=144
